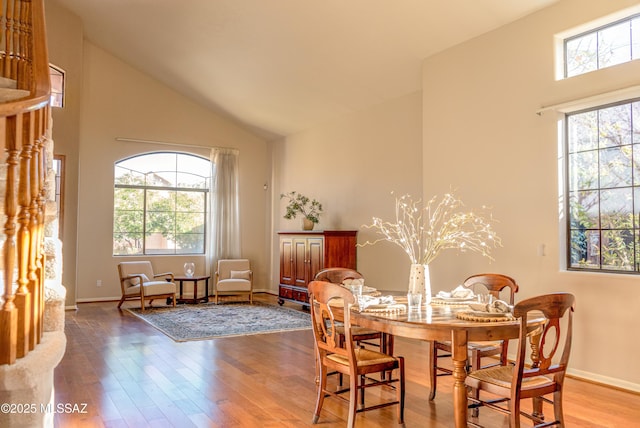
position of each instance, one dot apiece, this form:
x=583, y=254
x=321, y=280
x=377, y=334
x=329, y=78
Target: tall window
x=57, y=86
x=59, y=170
x=160, y=204
x=609, y=45
x=603, y=188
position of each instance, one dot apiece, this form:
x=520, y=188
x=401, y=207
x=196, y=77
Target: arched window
x=160, y=204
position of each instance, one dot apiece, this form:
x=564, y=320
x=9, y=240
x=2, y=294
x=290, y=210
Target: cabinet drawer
x=285, y=292
x=300, y=296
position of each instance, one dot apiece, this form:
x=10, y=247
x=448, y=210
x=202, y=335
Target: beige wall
x=64, y=31
x=481, y=135
x=105, y=99
x=473, y=128
x=119, y=101
x=351, y=165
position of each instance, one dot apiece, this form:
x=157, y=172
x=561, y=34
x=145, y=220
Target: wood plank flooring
x=130, y=375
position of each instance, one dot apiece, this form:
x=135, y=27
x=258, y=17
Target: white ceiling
x=282, y=66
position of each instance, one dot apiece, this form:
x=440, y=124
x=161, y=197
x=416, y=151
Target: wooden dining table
x=440, y=322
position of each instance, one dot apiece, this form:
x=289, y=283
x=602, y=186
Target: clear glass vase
x=189, y=269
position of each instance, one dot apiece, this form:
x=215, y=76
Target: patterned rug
x=209, y=321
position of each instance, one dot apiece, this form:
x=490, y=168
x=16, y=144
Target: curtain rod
x=606, y=97
x=168, y=143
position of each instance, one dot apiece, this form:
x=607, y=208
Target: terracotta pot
x=307, y=224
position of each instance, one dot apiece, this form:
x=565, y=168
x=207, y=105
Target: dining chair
x=361, y=335
x=538, y=377
x=138, y=281
x=494, y=283
x=358, y=363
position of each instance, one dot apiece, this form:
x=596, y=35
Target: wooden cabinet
x=303, y=254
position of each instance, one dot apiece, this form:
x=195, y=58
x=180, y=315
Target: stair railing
x=24, y=129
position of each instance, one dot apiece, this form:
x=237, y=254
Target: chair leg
x=514, y=415
x=433, y=369
x=174, y=300
x=322, y=385
x=537, y=408
x=476, y=361
x=386, y=347
x=503, y=355
x=121, y=302
x=400, y=390
x=353, y=400
x=557, y=407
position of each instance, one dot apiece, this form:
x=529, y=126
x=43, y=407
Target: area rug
x=209, y=321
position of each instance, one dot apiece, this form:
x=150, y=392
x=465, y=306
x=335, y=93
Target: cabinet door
x=286, y=261
x=315, y=257
x=300, y=262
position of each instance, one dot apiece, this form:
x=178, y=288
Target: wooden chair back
x=225, y=266
x=127, y=269
x=546, y=342
x=337, y=275
x=494, y=283
x=324, y=298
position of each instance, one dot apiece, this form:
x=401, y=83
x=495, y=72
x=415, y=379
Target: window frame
x=595, y=31
x=57, y=71
x=206, y=191
x=634, y=186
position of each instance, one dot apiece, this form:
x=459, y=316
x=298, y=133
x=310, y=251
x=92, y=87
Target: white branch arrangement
x=423, y=232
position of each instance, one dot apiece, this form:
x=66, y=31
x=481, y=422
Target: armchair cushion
x=136, y=280
x=241, y=274
x=233, y=285
x=152, y=288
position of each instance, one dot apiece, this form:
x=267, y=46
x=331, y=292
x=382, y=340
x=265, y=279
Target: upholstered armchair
x=233, y=277
x=137, y=281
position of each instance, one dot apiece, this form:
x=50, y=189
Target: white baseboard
x=117, y=298
x=605, y=380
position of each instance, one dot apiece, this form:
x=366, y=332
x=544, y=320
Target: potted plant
x=300, y=204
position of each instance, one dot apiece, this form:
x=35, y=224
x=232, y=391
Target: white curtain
x=224, y=235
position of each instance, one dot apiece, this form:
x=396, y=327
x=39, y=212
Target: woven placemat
x=436, y=301
x=396, y=307
x=469, y=316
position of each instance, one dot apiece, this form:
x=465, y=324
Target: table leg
x=180, y=281
x=195, y=291
x=459, y=357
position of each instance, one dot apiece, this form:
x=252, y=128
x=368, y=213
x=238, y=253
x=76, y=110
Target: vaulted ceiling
x=282, y=66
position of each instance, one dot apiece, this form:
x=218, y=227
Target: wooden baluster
x=7, y=37
x=9, y=313
x=34, y=230
x=40, y=192
x=15, y=40
x=44, y=138
x=35, y=210
x=23, y=293
x=3, y=38
x=24, y=70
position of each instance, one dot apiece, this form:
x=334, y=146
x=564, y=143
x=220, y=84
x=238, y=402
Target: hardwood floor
x=130, y=375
